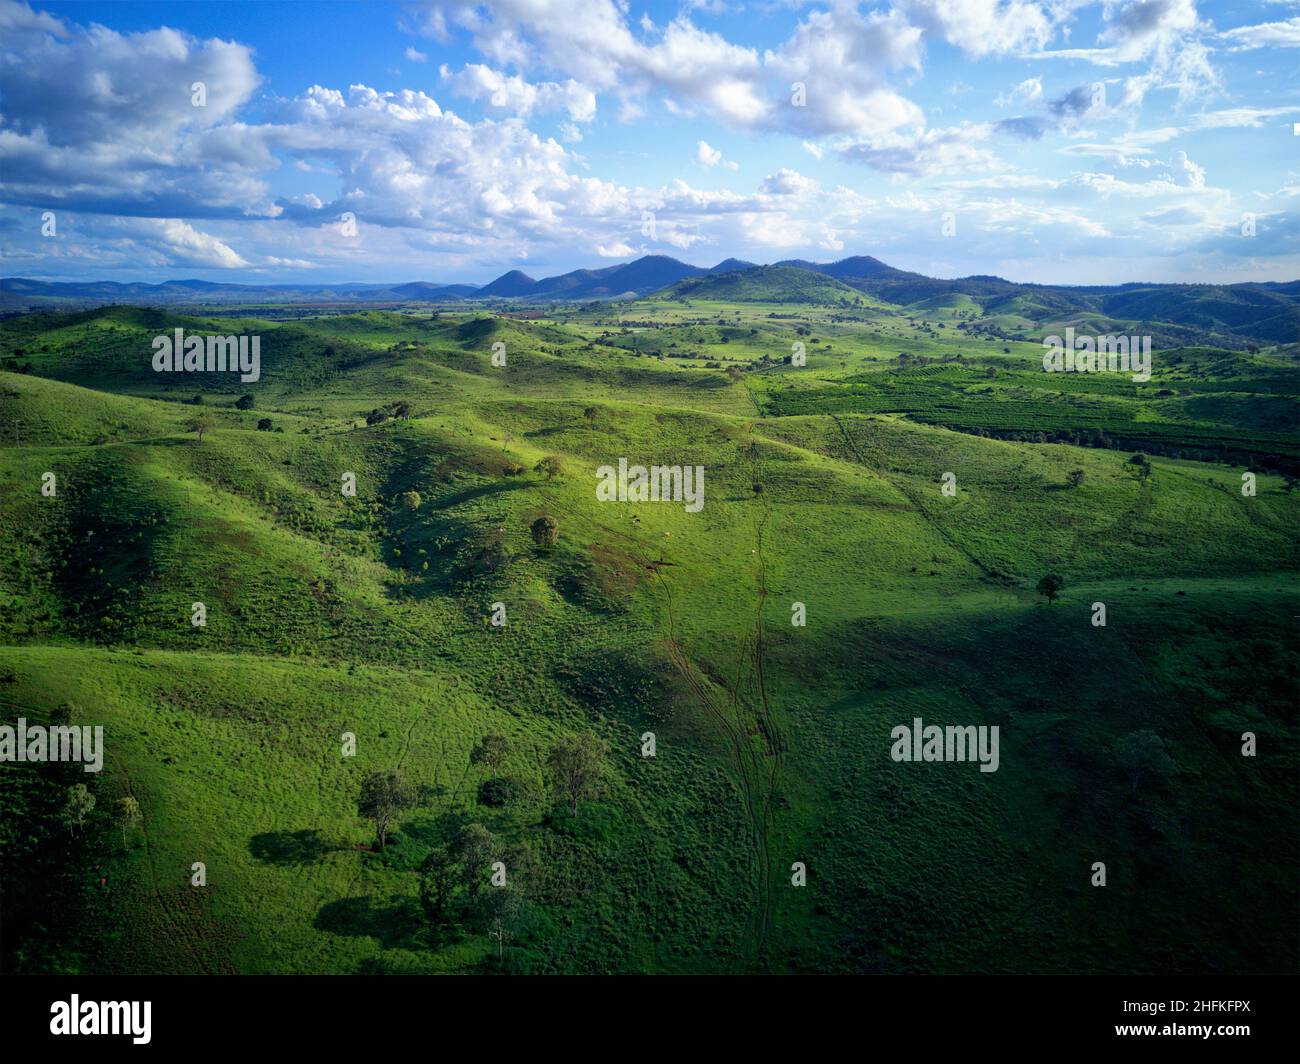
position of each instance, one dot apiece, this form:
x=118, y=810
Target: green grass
x=329, y=614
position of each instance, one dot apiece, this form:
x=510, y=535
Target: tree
x=492, y=750
x=1050, y=586
x=591, y=413
x=385, y=796
x=437, y=881
x=263, y=424
x=244, y=402
x=128, y=815
x=376, y=416
x=490, y=556
x=410, y=500
x=503, y=908
x=1142, y=753
x=77, y=806
x=402, y=409
x=550, y=466
x=577, y=766
x=199, y=424
x=546, y=531
x=477, y=849
x=1075, y=477
x=1141, y=465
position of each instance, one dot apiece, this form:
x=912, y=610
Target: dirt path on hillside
x=747, y=721
x=914, y=497
x=738, y=720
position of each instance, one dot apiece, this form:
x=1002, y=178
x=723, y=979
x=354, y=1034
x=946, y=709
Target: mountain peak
x=511, y=283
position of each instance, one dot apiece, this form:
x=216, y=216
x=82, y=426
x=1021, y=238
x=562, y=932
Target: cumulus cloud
x=706, y=155
x=842, y=58
x=511, y=93
x=989, y=27
x=190, y=247
x=786, y=182
x=93, y=119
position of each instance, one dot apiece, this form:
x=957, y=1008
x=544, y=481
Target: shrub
x=497, y=792
x=545, y=531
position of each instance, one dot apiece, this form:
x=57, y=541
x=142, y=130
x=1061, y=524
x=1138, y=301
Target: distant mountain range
x=1265, y=312
x=632, y=279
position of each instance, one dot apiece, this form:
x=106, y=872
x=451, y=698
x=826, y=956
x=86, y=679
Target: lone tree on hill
x=199, y=424
x=1050, y=586
x=385, y=796
x=77, y=807
x=550, y=466
x=492, y=750
x=244, y=402
x=410, y=500
x=1074, y=477
x=1141, y=465
x=1142, y=753
x=128, y=815
x=477, y=848
x=546, y=531
x=577, y=766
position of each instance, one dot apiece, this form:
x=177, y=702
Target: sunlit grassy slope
x=329, y=614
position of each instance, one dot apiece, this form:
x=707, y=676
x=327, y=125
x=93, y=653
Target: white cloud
x=512, y=94
x=1164, y=34
x=93, y=119
x=925, y=153
x=709, y=156
x=787, y=182
x=416, y=57
x=989, y=27
x=1028, y=92
x=193, y=248
x=843, y=58
x=1265, y=35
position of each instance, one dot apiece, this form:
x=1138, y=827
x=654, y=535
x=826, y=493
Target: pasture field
x=371, y=615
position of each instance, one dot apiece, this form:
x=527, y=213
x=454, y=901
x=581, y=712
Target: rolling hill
x=765, y=284
x=369, y=615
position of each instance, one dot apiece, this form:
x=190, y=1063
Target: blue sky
x=1041, y=140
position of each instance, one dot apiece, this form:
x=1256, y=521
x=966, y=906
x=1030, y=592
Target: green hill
x=765, y=284
x=329, y=615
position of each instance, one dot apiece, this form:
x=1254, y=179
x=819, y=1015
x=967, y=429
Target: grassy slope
x=773, y=740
